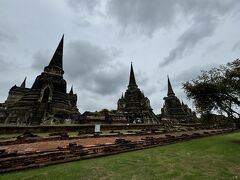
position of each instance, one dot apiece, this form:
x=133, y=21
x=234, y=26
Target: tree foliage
x=217, y=90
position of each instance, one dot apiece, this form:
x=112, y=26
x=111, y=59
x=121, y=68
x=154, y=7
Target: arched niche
x=46, y=94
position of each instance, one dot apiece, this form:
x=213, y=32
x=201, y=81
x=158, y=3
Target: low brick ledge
x=76, y=152
x=58, y=138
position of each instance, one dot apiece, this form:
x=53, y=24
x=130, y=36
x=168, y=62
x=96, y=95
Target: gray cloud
x=99, y=76
x=82, y=22
x=5, y=66
x=191, y=73
x=80, y=58
x=203, y=27
x=213, y=48
x=212, y=7
x=89, y=67
x=41, y=60
x=84, y=11
x=5, y=36
x=206, y=16
x=186, y=75
x=106, y=81
x=83, y=58
x=8, y=75
x=142, y=15
x=236, y=46
x=83, y=5
x=149, y=16
x=141, y=77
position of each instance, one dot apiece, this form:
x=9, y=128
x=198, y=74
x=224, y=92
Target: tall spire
x=170, y=90
x=57, y=59
x=132, y=81
x=182, y=103
x=23, y=85
x=71, y=91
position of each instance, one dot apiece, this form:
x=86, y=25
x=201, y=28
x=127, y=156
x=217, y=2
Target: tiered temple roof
x=134, y=105
x=47, y=100
x=175, y=110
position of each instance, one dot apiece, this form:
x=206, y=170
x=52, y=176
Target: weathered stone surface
x=122, y=141
x=27, y=136
x=134, y=105
x=17, y=161
x=2, y=151
x=62, y=135
x=174, y=110
x=102, y=117
x=47, y=101
x=3, y=112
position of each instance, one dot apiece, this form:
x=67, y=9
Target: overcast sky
x=161, y=37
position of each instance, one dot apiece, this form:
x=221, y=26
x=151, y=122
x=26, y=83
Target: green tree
x=217, y=90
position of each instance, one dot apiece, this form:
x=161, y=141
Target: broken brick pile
x=10, y=161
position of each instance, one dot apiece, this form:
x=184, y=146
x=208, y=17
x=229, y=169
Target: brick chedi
x=3, y=112
x=173, y=109
x=134, y=105
x=47, y=100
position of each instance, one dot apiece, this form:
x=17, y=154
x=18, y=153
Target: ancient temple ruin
x=46, y=101
x=173, y=109
x=134, y=105
x=3, y=112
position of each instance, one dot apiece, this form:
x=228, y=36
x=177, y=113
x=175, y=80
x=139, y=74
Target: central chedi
x=134, y=105
x=47, y=101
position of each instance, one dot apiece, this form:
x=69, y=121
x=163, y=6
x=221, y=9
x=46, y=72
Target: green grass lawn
x=215, y=157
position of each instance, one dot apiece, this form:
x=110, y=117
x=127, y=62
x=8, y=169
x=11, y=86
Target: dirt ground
x=52, y=145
